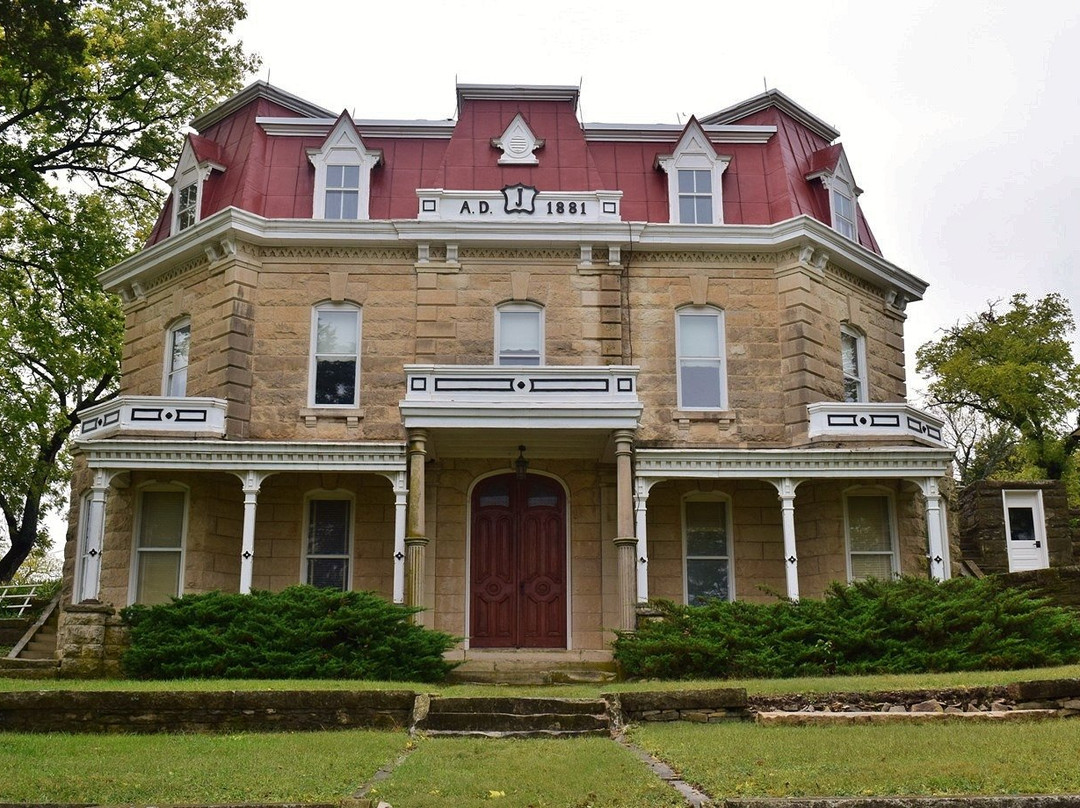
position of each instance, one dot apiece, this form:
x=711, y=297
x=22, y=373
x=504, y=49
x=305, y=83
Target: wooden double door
x=517, y=588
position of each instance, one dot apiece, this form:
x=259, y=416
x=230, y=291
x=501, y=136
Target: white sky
x=960, y=118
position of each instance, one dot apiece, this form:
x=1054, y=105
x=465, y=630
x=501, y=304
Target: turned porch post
x=415, y=528
x=625, y=541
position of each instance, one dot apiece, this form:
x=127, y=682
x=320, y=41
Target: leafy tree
x=93, y=97
x=1015, y=368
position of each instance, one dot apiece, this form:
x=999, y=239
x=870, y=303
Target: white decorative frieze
x=519, y=203
x=153, y=414
x=862, y=420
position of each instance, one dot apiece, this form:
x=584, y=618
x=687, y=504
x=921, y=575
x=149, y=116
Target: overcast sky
x=960, y=118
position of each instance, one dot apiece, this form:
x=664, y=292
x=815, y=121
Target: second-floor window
x=335, y=356
x=699, y=339
x=342, y=191
x=177, y=348
x=853, y=360
x=519, y=334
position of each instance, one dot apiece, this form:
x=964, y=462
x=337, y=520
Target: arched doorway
x=517, y=578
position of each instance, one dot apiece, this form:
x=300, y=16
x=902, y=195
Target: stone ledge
x=783, y=719
x=1004, y=801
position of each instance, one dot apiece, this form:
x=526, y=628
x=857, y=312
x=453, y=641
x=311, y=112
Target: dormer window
x=694, y=170
x=186, y=206
x=343, y=173
x=342, y=192
x=199, y=158
x=830, y=165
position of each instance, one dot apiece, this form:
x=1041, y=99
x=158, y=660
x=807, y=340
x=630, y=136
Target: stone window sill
x=312, y=415
x=722, y=417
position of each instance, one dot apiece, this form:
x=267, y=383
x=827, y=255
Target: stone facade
x=596, y=417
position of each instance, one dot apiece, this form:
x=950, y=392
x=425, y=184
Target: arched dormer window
x=519, y=334
x=694, y=170
x=198, y=159
x=343, y=173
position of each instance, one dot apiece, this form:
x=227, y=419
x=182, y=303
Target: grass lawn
x=831, y=684
x=926, y=759
x=575, y=773
x=114, y=769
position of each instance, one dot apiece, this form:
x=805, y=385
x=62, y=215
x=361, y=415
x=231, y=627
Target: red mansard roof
x=262, y=136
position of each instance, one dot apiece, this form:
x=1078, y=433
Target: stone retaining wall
x=208, y=711
x=90, y=639
x=700, y=706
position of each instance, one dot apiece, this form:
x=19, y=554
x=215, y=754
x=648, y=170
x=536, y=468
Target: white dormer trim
x=694, y=152
x=518, y=144
x=840, y=182
x=343, y=147
x=189, y=173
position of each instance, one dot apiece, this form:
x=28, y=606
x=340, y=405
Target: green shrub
x=299, y=633
x=903, y=626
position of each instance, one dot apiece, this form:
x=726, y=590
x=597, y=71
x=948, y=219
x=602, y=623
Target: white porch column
x=641, y=500
x=252, y=482
x=94, y=538
x=401, y=496
x=785, y=488
x=937, y=551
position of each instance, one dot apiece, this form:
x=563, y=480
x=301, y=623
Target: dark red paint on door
x=518, y=575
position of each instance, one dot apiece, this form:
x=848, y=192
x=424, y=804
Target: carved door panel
x=518, y=575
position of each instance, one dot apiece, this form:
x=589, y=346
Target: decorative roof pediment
x=198, y=158
x=344, y=145
x=518, y=143
x=694, y=149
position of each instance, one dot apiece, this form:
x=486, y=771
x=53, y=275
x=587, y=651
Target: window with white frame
x=187, y=200
x=699, y=338
x=870, y=530
x=694, y=172
x=177, y=348
x=707, y=549
x=519, y=334
x=328, y=542
x=843, y=210
x=335, y=355
x=342, y=192
x=695, y=196
x=853, y=362
x=343, y=166
x=159, y=545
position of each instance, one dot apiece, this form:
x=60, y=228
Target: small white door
x=1025, y=530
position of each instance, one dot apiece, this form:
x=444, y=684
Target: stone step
x=529, y=676
x=518, y=725
x=518, y=706
x=28, y=668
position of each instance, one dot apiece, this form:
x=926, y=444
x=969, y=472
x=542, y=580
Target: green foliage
x=93, y=97
x=299, y=633
x=867, y=627
x=1015, y=367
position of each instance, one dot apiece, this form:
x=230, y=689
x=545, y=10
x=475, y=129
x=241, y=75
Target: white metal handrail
x=16, y=599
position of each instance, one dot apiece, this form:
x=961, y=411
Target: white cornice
x=905, y=463
x=670, y=133
x=773, y=98
x=259, y=89
x=320, y=127
x=234, y=225
x=242, y=456
x=517, y=92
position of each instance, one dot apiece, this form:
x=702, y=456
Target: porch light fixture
x=521, y=465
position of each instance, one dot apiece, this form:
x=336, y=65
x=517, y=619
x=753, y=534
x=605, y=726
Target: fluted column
x=416, y=540
x=625, y=541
